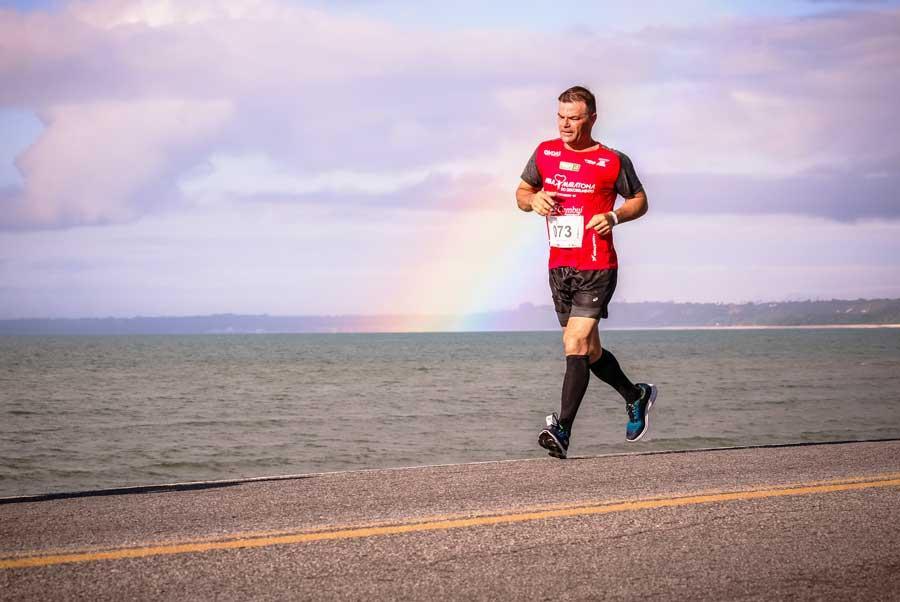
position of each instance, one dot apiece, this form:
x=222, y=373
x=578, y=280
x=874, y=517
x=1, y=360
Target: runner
x=573, y=181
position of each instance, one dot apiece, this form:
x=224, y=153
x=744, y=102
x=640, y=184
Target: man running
x=573, y=182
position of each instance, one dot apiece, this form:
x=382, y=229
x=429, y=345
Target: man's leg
x=577, y=344
x=593, y=292
x=554, y=438
x=606, y=368
x=639, y=398
x=595, y=348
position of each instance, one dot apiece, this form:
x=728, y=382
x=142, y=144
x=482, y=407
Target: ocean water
x=88, y=412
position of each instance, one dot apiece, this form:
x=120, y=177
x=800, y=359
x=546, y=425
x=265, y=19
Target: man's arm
x=529, y=198
x=630, y=188
x=631, y=209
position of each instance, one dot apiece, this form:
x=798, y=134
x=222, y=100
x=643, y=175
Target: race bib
x=566, y=231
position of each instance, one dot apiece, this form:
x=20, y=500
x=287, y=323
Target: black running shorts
x=581, y=294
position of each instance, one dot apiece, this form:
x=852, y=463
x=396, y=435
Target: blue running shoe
x=639, y=413
x=554, y=438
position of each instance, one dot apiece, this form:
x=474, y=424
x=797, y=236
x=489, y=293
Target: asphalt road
x=810, y=522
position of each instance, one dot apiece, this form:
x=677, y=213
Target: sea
x=87, y=412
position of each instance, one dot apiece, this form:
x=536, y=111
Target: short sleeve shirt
x=586, y=184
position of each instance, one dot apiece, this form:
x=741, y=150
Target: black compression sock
x=574, y=385
x=607, y=369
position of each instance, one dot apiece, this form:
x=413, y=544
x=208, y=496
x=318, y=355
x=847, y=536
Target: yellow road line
x=422, y=519
x=443, y=524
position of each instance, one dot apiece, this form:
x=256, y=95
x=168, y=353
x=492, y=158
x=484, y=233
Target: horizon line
x=526, y=304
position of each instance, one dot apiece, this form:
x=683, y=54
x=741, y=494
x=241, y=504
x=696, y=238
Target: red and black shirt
x=586, y=183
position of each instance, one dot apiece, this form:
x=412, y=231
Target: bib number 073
x=565, y=231
x=562, y=231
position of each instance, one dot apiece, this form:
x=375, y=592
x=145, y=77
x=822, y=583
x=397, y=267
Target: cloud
x=253, y=260
x=137, y=97
x=257, y=174
x=847, y=1
x=838, y=196
x=108, y=161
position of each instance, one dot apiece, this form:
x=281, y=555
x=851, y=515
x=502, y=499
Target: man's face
x=574, y=121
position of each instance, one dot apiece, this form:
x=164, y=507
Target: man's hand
x=542, y=202
x=602, y=223
x=529, y=198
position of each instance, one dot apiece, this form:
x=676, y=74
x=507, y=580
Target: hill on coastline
x=860, y=312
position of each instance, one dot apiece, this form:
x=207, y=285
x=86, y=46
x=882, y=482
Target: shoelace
x=632, y=407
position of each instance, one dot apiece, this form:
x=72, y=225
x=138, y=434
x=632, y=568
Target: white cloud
x=340, y=97
x=110, y=161
x=222, y=144
x=759, y=258
x=256, y=174
x=276, y=259
x=161, y=13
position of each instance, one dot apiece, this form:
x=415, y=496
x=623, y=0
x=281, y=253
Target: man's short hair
x=576, y=93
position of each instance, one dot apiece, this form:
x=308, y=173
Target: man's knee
x=578, y=334
x=576, y=343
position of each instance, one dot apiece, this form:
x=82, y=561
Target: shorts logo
x=551, y=153
x=598, y=162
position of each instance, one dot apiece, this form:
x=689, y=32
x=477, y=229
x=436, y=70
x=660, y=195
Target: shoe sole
x=551, y=444
x=646, y=415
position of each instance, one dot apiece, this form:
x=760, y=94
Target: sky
x=294, y=158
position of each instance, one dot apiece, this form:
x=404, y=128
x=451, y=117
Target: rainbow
x=482, y=262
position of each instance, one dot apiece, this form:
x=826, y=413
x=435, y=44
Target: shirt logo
x=598, y=162
x=563, y=185
x=552, y=153
x=568, y=166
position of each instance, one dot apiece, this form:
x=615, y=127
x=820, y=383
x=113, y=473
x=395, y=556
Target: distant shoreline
x=859, y=313
x=765, y=327
x=498, y=331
